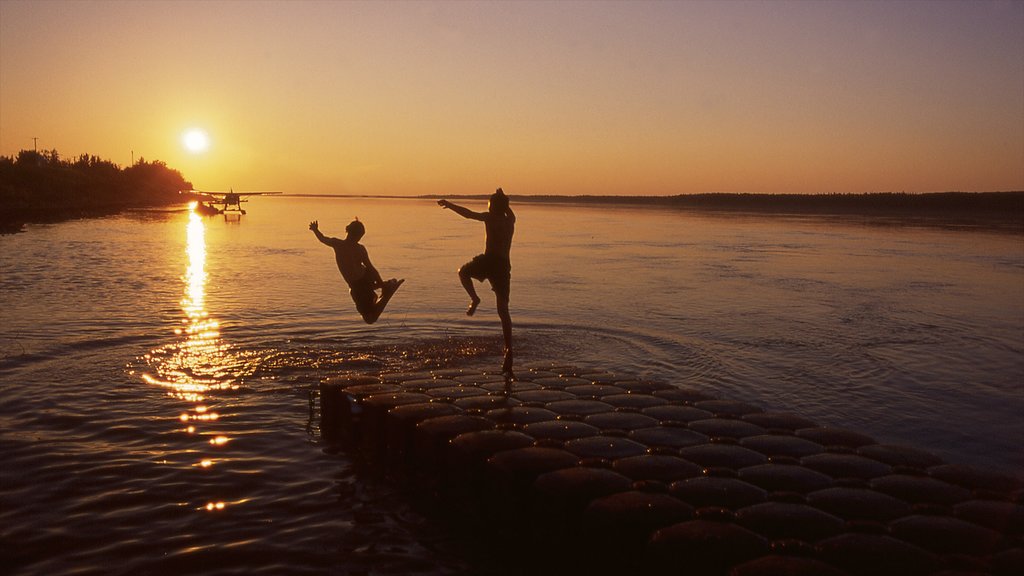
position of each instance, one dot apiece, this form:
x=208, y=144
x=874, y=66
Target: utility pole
x=35, y=144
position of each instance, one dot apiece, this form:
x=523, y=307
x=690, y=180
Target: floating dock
x=570, y=471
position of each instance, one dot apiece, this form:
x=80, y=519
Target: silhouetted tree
x=40, y=186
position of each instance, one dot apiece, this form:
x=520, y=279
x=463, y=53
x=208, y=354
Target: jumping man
x=362, y=278
x=494, y=264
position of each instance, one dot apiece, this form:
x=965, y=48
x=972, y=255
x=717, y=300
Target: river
x=158, y=369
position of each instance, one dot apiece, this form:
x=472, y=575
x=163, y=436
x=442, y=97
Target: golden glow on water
x=185, y=417
x=195, y=365
x=195, y=277
x=199, y=361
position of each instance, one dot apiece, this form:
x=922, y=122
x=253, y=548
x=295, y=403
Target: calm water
x=156, y=369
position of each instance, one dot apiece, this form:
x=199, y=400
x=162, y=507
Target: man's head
x=498, y=203
x=355, y=230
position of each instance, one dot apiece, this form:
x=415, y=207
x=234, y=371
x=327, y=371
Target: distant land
x=43, y=187
x=996, y=210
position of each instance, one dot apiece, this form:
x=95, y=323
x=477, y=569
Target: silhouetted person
x=362, y=278
x=494, y=264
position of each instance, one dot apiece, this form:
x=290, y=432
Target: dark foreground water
x=158, y=370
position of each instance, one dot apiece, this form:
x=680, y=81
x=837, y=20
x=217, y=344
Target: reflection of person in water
x=494, y=264
x=362, y=278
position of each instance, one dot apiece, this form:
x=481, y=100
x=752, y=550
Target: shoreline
x=998, y=211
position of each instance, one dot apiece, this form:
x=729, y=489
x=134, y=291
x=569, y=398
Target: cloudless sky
x=413, y=98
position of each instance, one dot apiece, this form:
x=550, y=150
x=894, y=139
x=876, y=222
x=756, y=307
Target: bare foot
x=472, y=307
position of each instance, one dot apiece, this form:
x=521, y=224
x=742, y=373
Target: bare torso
x=499, y=229
x=350, y=257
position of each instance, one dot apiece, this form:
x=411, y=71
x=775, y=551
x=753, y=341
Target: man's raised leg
x=387, y=291
x=467, y=283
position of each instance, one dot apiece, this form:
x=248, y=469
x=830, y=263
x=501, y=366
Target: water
x=157, y=370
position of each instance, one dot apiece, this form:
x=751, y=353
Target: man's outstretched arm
x=464, y=212
x=315, y=227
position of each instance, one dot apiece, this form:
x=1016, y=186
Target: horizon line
x=651, y=197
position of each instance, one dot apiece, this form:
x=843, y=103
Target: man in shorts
x=362, y=278
x=494, y=264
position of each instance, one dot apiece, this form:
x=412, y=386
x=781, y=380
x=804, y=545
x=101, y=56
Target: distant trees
x=39, y=186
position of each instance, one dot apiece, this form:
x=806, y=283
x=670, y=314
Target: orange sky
x=537, y=97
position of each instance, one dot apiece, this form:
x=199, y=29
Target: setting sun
x=195, y=140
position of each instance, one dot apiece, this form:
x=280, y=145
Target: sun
x=195, y=140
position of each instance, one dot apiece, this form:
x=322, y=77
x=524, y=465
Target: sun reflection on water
x=199, y=361
x=194, y=366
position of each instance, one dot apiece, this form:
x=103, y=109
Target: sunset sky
x=410, y=98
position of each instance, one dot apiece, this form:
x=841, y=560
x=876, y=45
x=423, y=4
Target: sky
x=630, y=98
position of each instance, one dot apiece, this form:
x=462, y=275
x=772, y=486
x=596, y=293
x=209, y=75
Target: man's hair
x=499, y=201
x=356, y=229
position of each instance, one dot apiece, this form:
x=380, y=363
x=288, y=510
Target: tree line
x=41, y=186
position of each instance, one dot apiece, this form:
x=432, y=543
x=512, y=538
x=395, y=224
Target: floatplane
x=225, y=203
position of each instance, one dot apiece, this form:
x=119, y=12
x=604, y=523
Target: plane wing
x=224, y=194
